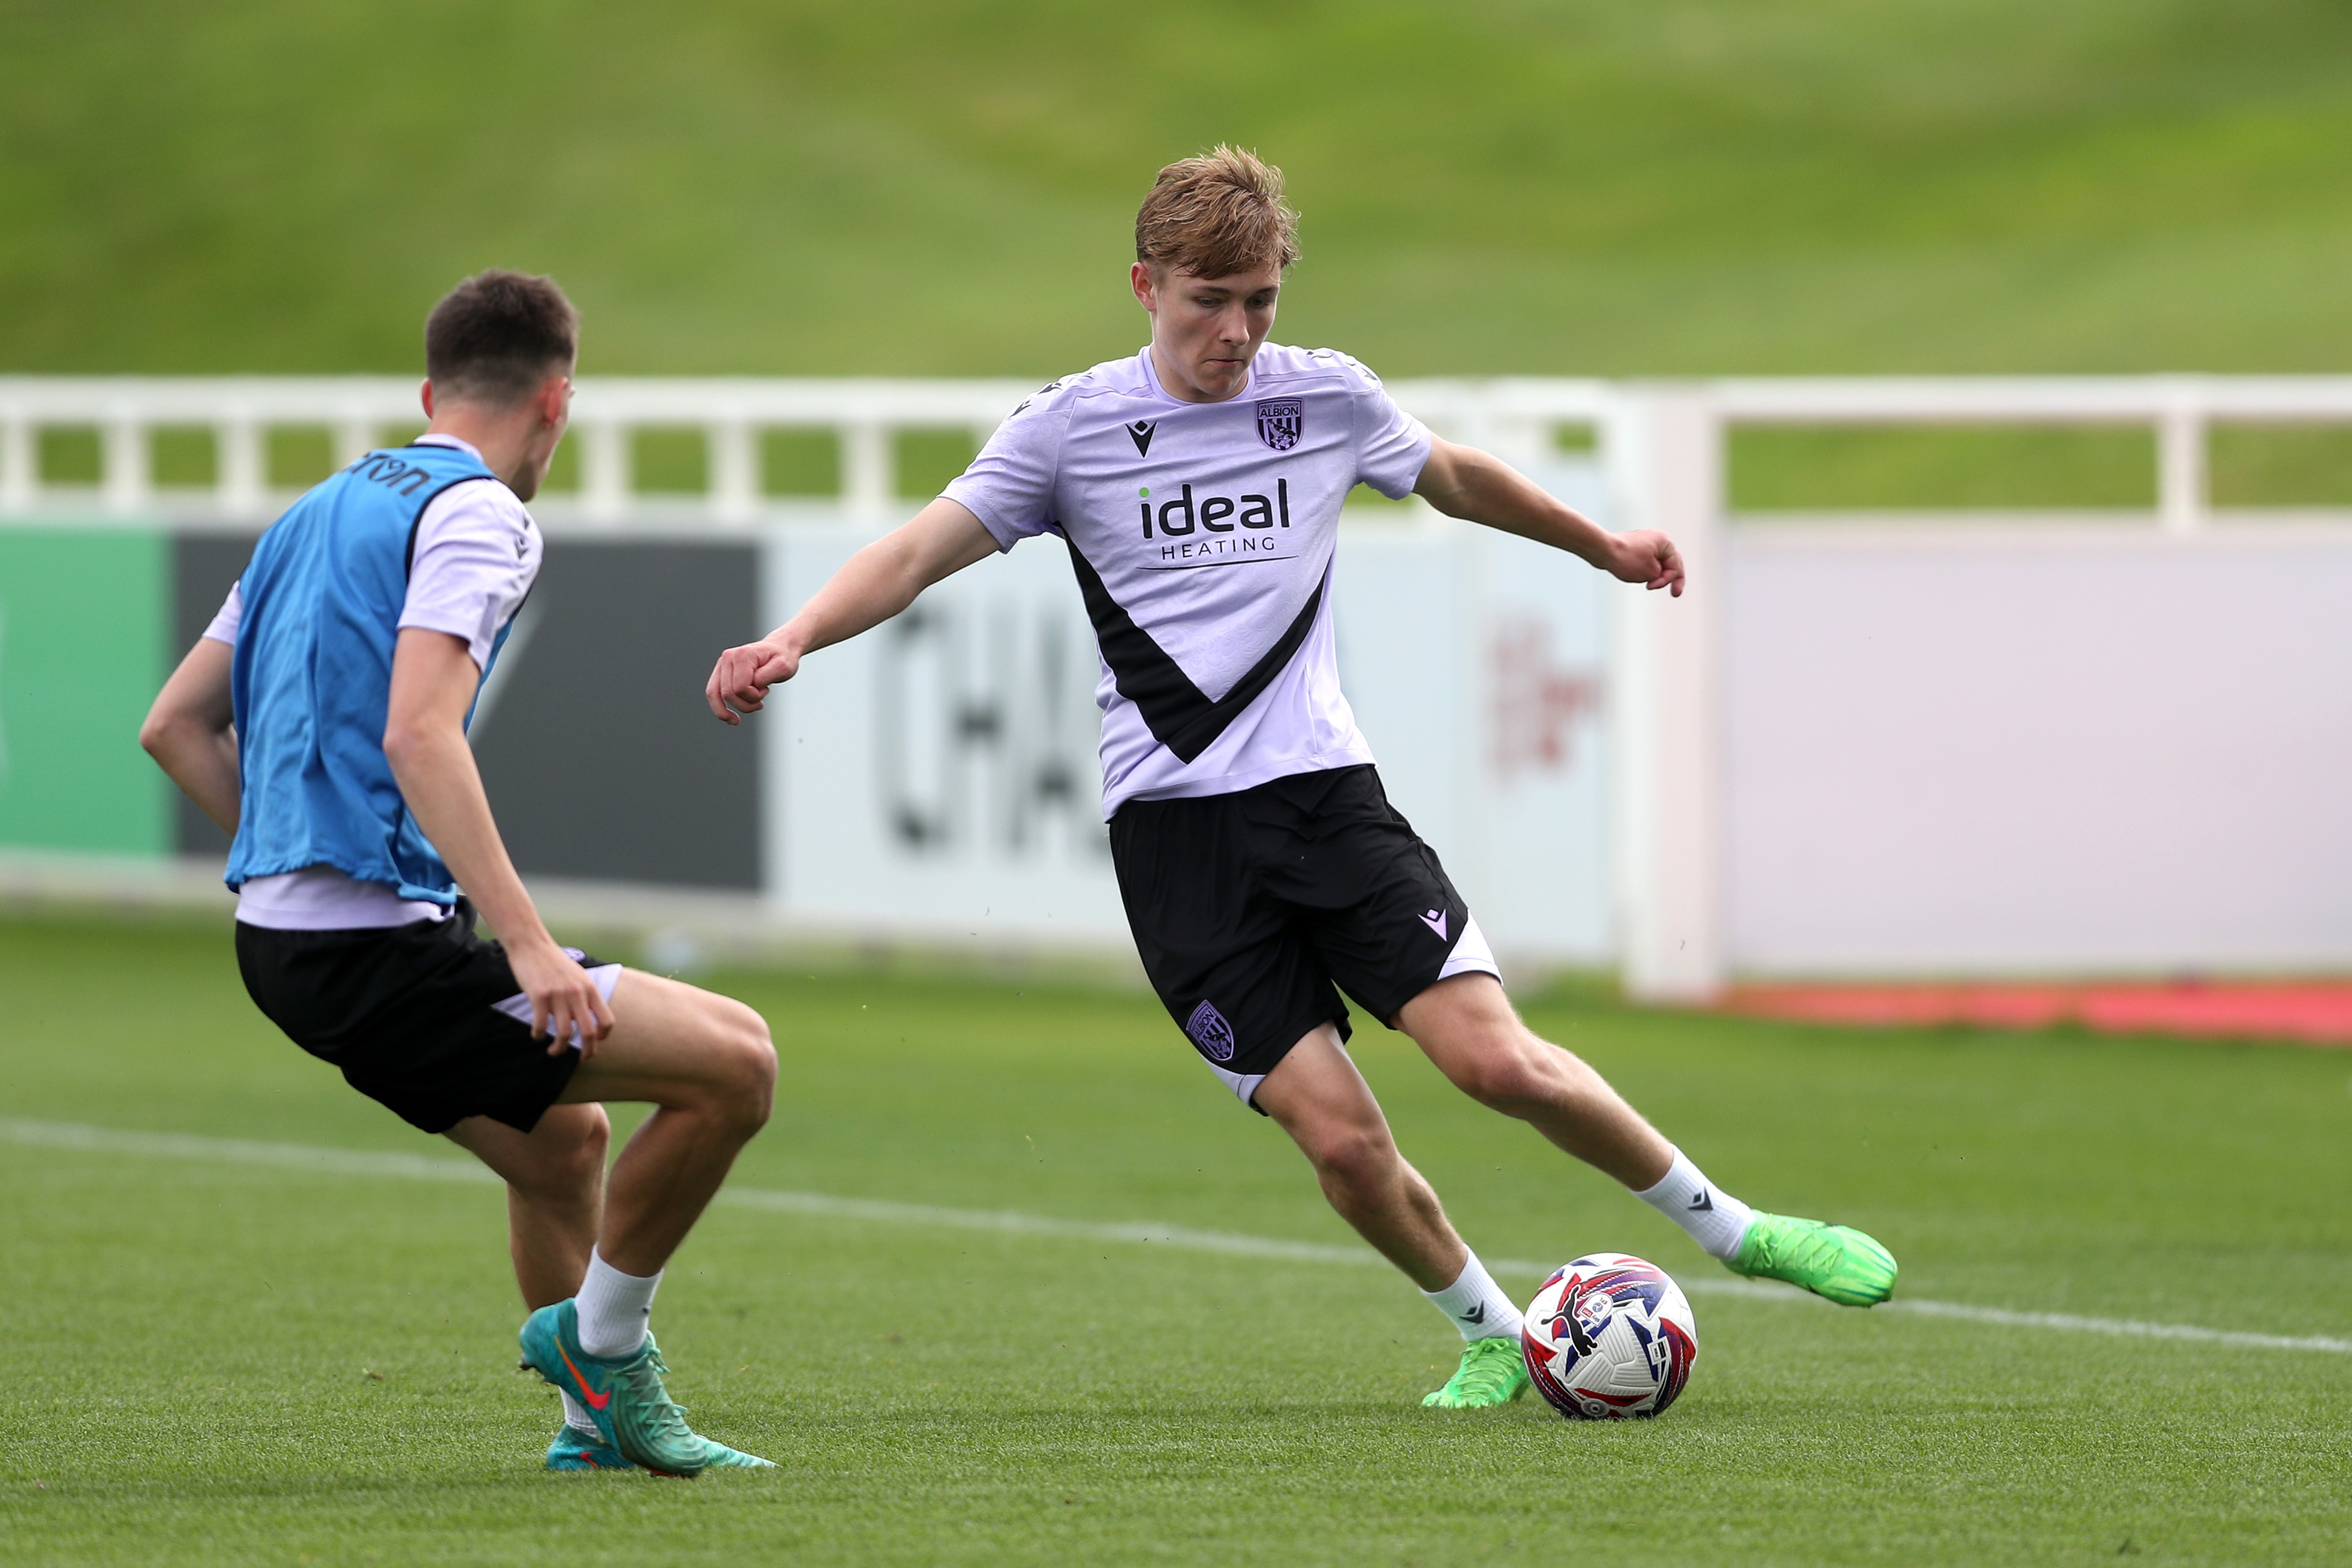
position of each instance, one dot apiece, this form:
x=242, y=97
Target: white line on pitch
x=424, y=1167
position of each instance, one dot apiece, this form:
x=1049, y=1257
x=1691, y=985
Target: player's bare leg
x=705, y=1061
x=555, y=1200
x=706, y=1065
x=1317, y=1096
x=555, y=1193
x=1469, y=1028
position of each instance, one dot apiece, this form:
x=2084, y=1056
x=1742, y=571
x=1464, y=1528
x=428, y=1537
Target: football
x=1610, y=1337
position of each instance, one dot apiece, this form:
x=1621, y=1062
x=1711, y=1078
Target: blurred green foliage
x=297, y=456
x=670, y=460
x=800, y=463
x=927, y=459
x=68, y=454
x=2280, y=465
x=1489, y=186
x=1908, y=468
x=184, y=455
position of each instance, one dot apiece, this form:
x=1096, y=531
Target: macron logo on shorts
x=1210, y=1032
x=1435, y=920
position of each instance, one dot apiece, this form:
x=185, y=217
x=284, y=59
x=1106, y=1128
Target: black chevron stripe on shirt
x=1180, y=717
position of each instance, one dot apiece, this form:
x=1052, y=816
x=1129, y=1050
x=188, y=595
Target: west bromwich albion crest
x=1279, y=422
x=1210, y=1032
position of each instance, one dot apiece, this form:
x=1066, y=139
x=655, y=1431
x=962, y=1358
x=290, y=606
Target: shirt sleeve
x=1391, y=447
x=1010, y=485
x=476, y=555
x=224, y=625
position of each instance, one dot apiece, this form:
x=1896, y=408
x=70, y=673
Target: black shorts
x=1253, y=910
x=411, y=1015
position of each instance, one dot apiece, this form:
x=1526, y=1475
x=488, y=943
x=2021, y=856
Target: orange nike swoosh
x=596, y=1401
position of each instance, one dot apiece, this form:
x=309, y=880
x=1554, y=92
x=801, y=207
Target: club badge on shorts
x=1280, y=421
x=1210, y=1032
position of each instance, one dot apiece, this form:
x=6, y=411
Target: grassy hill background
x=929, y=187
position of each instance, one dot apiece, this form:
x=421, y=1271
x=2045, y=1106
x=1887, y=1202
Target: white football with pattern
x=1610, y=1337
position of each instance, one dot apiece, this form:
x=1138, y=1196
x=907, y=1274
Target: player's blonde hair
x=1217, y=214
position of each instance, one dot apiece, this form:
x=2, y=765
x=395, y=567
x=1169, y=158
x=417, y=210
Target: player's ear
x=424, y=396
x=1140, y=278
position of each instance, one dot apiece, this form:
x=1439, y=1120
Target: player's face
x=552, y=404
x=1205, y=330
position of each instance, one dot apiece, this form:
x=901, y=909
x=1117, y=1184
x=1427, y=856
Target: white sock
x=576, y=1416
x=614, y=1309
x=1715, y=1219
x=1475, y=1304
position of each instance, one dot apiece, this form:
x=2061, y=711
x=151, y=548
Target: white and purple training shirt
x=1202, y=537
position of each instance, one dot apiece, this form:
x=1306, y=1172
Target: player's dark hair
x=1217, y=214
x=495, y=337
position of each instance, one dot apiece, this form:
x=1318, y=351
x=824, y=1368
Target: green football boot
x=1835, y=1261
x=652, y=1427
x=624, y=1395
x=719, y=1456
x=574, y=1449
x=1492, y=1372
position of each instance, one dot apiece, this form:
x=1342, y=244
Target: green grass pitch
x=212, y=1361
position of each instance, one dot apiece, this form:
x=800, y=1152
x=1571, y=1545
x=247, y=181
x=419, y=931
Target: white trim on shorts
x=606, y=976
x=1471, y=956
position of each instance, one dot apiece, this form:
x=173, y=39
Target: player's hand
x=566, y=1004
x=1647, y=557
x=739, y=681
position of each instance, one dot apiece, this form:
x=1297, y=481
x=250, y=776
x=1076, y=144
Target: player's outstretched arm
x=1479, y=487
x=190, y=731
x=872, y=586
x=434, y=680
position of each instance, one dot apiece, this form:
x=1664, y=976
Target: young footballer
x=1198, y=487
x=322, y=719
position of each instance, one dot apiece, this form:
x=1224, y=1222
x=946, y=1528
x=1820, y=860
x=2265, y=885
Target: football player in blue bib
x=322, y=719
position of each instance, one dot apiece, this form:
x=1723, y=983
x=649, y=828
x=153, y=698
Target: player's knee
x=748, y=1065
x=1506, y=1069
x=582, y=1165
x=1352, y=1155
x=567, y=1152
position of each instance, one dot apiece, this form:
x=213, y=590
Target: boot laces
x=665, y=1415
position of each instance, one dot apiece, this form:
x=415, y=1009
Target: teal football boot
x=625, y=1398
x=574, y=1449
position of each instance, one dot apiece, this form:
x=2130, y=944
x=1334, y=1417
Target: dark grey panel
x=600, y=758
x=203, y=568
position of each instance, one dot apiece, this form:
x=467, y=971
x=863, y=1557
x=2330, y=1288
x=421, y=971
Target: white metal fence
x=1735, y=722
x=863, y=416
x=1742, y=729
x=1508, y=414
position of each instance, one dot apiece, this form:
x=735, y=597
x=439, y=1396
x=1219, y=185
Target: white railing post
x=2180, y=476
x=237, y=441
x=16, y=463
x=354, y=439
x=1520, y=440
x=605, y=465
x=734, y=470
x=126, y=471
x=867, y=476
x=1663, y=449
